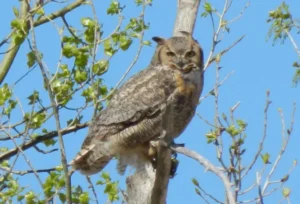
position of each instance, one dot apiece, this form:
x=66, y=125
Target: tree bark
x=147, y=186
x=187, y=11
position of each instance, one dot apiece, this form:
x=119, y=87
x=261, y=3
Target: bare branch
x=40, y=139
x=57, y=14
x=28, y=171
x=209, y=167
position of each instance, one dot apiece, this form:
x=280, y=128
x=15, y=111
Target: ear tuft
x=159, y=40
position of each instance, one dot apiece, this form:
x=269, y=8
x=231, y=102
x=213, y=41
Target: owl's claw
x=177, y=144
x=153, y=154
x=174, y=165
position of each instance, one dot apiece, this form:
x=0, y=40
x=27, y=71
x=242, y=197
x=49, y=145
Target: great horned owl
x=137, y=111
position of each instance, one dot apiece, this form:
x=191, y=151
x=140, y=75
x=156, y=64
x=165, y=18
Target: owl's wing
x=143, y=95
x=132, y=118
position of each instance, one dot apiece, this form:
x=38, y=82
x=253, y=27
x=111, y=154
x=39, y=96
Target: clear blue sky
x=258, y=66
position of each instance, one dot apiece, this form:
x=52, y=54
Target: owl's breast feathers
x=184, y=99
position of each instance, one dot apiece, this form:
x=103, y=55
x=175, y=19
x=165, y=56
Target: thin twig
x=93, y=189
x=282, y=150
x=260, y=147
x=220, y=84
x=209, y=195
x=240, y=15
x=223, y=51
x=28, y=171
x=293, y=42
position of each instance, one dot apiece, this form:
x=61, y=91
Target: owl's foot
x=174, y=160
x=173, y=144
x=174, y=165
x=153, y=155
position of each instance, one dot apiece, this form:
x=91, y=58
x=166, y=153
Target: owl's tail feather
x=91, y=159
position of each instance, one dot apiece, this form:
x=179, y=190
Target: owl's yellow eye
x=170, y=54
x=190, y=54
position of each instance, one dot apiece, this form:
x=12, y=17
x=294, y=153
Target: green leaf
x=80, y=76
x=11, y=105
x=211, y=137
x=17, y=24
x=40, y=11
x=108, y=49
x=30, y=197
x=114, y=8
x=62, y=197
x=70, y=50
x=36, y=119
x=88, y=94
x=232, y=131
x=266, y=158
x=49, y=142
x=242, y=124
x=106, y=176
x=5, y=94
x=84, y=198
x=125, y=42
x=195, y=182
x=74, y=121
x=207, y=7
x=147, y=42
x=138, y=2
x=81, y=60
x=197, y=191
x=16, y=12
x=20, y=197
x=285, y=178
x=31, y=59
x=115, y=37
x=33, y=98
x=18, y=38
x=296, y=77
x=100, y=67
x=99, y=182
x=286, y=192
x=295, y=64
x=87, y=22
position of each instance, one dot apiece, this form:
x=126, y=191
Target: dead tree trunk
x=146, y=186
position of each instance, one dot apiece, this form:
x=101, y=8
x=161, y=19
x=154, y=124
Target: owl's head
x=180, y=52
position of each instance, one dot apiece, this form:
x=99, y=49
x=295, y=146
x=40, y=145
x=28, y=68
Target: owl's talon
x=174, y=166
x=177, y=144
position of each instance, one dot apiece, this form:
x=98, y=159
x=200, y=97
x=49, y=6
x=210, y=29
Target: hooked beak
x=180, y=63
